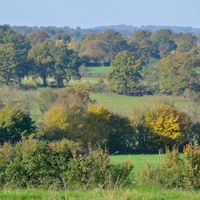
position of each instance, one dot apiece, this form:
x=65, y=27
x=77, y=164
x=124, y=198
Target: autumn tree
x=37, y=37
x=104, y=46
x=171, y=125
x=124, y=76
x=64, y=119
x=95, y=49
x=115, y=42
x=96, y=126
x=185, y=41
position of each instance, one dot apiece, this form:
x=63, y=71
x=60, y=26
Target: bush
x=192, y=166
x=38, y=164
x=175, y=172
x=14, y=124
x=95, y=171
x=32, y=163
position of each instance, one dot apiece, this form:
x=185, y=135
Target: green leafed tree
x=66, y=64
x=177, y=73
x=14, y=124
x=124, y=76
x=42, y=60
x=8, y=63
x=19, y=46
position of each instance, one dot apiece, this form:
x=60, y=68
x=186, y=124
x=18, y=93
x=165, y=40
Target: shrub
x=14, y=124
x=175, y=171
x=38, y=164
x=95, y=171
x=192, y=166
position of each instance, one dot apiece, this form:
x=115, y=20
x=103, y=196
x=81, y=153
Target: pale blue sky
x=90, y=13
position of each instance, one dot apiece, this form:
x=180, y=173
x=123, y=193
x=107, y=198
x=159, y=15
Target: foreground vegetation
x=147, y=193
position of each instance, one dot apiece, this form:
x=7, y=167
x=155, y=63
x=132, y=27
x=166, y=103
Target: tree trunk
x=60, y=82
x=44, y=79
x=19, y=82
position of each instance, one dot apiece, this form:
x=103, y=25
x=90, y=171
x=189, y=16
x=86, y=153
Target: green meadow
x=126, y=105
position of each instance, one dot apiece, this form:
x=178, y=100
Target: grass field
x=126, y=105
x=98, y=70
x=140, y=193
x=139, y=161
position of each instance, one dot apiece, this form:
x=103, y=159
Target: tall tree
x=140, y=44
x=177, y=73
x=66, y=64
x=20, y=47
x=42, y=60
x=163, y=38
x=8, y=63
x=124, y=76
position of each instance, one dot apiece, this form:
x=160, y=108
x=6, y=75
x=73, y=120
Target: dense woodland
x=53, y=133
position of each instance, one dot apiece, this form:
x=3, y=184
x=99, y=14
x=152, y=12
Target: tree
x=124, y=76
x=63, y=120
x=37, y=37
x=8, y=63
x=14, y=124
x=66, y=64
x=20, y=47
x=115, y=42
x=163, y=39
x=42, y=60
x=103, y=46
x=142, y=46
x=96, y=126
x=64, y=38
x=171, y=125
x=95, y=49
x=177, y=73
x=185, y=41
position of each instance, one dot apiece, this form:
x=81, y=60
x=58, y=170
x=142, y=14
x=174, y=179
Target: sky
x=91, y=13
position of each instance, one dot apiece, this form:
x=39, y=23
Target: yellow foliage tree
x=96, y=125
x=169, y=123
x=63, y=119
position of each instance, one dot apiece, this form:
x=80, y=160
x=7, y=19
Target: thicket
x=58, y=165
x=177, y=171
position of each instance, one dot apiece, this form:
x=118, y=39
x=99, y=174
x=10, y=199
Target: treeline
x=145, y=63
